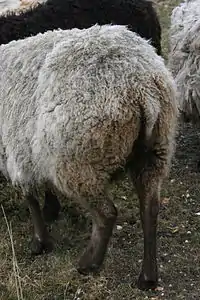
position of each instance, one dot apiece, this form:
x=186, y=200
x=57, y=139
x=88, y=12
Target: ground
x=54, y=276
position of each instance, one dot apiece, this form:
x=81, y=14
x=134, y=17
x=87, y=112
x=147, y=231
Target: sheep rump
x=140, y=16
x=77, y=105
x=64, y=116
x=184, y=57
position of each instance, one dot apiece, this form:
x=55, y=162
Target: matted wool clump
x=184, y=57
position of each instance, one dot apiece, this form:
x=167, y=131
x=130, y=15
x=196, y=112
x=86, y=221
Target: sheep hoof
x=90, y=261
x=85, y=270
x=93, y=257
x=40, y=247
x=146, y=285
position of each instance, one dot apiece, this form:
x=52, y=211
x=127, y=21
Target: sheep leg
x=149, y=208
x=103, y=222
x=51, y=207
x=41, y=241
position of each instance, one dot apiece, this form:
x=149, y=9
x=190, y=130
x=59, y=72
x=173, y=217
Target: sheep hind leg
x=104, y=218
x=41, y=241
x=51, y=207
x=148, y=170
x=149, y=208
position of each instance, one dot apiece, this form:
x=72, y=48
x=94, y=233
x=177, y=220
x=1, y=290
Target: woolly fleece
x=72, y=104
x=184, y=57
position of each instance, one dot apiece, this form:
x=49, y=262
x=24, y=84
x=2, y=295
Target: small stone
x=159, y=288
x=175, y=229
x=165, y=200
x=119, y=227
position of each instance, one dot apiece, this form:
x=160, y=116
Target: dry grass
x=54, y=276
x=16, y=271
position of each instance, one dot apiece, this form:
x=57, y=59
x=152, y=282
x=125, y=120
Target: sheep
x=184, y=56
x=76, y=107
x=66, y=14
x=139, y=15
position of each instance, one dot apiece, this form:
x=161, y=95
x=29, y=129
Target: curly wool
x=183, y=17
x=184, y=57
x=139, y=15
x=72, y=104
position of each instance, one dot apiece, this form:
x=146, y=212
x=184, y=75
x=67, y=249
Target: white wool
x=7, y=6
x=184, y=56
x=72, y=102
x=183, y=18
